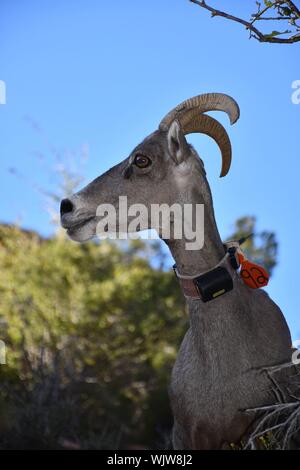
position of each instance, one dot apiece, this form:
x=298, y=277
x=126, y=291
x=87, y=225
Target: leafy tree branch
x=276, y=11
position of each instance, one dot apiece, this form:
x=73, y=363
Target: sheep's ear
x=177, y=145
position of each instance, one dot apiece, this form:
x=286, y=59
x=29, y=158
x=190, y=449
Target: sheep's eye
x=141, y=161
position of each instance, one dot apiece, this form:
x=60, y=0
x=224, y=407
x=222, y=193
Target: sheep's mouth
x=82, y=229
x=80, y=224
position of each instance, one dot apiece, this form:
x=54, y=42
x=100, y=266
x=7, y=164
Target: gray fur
x=218, y=370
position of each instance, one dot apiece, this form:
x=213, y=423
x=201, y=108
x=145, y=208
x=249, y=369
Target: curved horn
x=211, y=127
x=190, y=117
x=203, y=103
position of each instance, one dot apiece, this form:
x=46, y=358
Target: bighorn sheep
x=217, y=374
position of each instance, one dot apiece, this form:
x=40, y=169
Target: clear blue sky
x=104, y=73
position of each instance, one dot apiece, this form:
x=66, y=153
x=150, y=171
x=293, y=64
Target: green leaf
x=286, y=11
x=276, y=33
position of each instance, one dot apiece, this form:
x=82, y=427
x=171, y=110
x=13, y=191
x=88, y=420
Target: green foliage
x=276, y=33
x=99, y=324
x=91, y=333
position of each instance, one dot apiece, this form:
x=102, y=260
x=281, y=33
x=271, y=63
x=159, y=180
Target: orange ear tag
x=253, y=275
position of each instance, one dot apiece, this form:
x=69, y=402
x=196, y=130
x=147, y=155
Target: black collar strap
x=213, y=283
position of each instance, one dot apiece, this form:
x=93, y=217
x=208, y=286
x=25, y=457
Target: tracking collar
x=215, y=282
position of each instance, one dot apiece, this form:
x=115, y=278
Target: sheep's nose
x=66, y=206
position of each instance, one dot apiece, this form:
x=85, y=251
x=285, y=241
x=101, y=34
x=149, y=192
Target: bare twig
x=294, y=8
x=280, y=421
x=255, y=32
x=274, y=18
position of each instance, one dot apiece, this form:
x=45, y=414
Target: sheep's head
x=157, y=170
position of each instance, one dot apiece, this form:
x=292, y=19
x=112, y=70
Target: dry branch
x=272, y=37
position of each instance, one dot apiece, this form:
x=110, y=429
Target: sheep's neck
x=208, y=316
x=191, y=262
